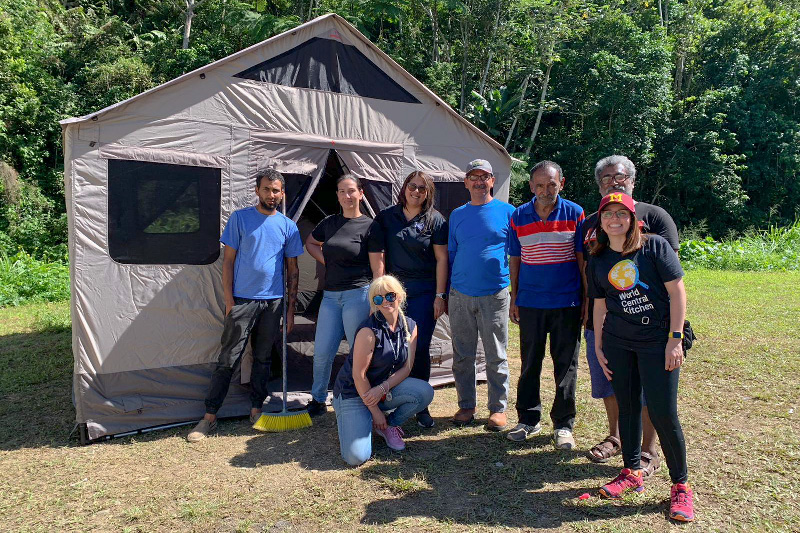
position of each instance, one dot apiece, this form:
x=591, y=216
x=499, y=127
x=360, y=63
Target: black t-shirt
x=389, y=355
x=652, y=219
x=408, y=244
x=344, y=247
x=634, y=290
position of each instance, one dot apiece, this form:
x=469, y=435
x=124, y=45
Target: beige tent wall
x=156, y=328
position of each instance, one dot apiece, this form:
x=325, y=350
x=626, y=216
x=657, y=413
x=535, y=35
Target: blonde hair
x=383, y=285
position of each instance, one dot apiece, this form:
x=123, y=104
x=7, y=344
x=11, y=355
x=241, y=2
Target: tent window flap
x=329, y=65
x=162, y=213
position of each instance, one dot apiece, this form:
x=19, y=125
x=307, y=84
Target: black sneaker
x=425, y=420
x=316, y=408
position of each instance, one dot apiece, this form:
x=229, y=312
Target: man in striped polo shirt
x=546, y=259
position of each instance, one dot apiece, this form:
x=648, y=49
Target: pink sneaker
x=681, y=505
x=625, y=481
x=393, y=435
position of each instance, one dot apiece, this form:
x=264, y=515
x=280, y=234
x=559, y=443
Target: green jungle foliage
x=24, y=279
x=703, y=95
x=773, y=249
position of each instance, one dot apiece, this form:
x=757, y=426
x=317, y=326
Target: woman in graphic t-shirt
x=375, y=377
x=639, y=298
x=340, y=243
x=410, y=240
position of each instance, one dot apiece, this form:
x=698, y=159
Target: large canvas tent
x=151, y=181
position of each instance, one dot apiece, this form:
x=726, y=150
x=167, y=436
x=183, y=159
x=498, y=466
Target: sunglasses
x=413, y=187
x=389, y=297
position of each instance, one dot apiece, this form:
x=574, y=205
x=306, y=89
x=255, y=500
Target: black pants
x=262, y=320
x=564, y=327
x=643, y=368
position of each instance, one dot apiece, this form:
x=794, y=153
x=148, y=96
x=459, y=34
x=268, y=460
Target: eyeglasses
x=413, y=187
x=389, y=297
x=481, y=177
x=622, y=214
x=616, y=178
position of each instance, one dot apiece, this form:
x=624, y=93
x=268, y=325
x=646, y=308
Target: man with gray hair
x=617, y=173
x=258, y=240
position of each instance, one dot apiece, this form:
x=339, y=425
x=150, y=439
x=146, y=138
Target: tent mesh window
x=450, y=195
x=163, y=214
x=328, y=65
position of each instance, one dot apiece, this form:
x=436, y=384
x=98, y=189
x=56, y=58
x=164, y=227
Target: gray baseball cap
x=479, y=164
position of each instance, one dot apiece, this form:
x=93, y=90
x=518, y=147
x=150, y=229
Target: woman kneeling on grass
x=374, y=378
x=637, y=283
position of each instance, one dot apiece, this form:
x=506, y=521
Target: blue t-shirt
x=477, y=247
x=549, y=277
x=261, y=242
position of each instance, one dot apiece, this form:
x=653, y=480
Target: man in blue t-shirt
x=257, y=241
x=546, y=258
x=479, y=294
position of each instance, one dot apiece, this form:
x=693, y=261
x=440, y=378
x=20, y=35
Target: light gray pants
x=487, y=315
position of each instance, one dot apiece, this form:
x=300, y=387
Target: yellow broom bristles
x=276, y=422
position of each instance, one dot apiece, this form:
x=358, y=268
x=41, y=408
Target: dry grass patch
x=739, y=402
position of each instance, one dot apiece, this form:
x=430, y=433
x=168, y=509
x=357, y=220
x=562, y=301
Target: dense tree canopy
x=701, y=94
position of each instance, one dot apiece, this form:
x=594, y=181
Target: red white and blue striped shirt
x=548, y=276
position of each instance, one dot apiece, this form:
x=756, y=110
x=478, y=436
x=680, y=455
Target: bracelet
x=383, y=389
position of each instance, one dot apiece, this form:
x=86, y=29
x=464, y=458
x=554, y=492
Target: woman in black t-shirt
x=410, y=240
x=340, y=243
x=640, y=301
x=374, y=378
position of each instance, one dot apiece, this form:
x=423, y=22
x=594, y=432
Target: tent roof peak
x=349, y=28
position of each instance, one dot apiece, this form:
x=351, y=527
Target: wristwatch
x=442, y=295
x=676, y=335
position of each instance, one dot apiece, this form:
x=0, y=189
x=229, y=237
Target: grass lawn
x=740, y=409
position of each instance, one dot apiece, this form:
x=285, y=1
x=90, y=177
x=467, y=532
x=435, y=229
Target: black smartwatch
x=442, y=295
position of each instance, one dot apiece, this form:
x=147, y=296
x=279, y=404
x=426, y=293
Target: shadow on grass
x=459, y=476
x=484, y=479
x=35, y=389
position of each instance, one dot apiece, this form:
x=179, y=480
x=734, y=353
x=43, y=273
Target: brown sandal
x=603, y=451
x=649, y=464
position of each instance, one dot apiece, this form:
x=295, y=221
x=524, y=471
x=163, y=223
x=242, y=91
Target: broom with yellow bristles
x=285, y=420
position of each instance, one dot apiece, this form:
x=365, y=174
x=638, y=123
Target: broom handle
x=284, y=377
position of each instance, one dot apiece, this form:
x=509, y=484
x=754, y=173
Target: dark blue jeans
x=262, y=320
x=420, y=308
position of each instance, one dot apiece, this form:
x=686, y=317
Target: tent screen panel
x=296, y=188
x=449, y=195
x=161, y=214
x=328, y=65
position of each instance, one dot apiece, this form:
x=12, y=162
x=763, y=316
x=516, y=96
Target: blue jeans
x=340, y=314
x=354, y=419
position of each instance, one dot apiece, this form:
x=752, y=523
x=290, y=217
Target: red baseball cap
x=617, y=198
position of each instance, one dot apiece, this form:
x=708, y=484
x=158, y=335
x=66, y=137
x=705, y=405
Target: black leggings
x=643, y=368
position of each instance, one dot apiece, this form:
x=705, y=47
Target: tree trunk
x=191, y=6
x=465, y=45
x=541, y=104
x=679, y=68
x=519, y=107
x=491, y=48
x=433, y=13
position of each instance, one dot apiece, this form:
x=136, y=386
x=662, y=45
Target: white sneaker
x=564, y=439
x=522, y=432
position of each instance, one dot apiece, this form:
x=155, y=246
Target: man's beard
x=547, y=200
x=268, y=207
